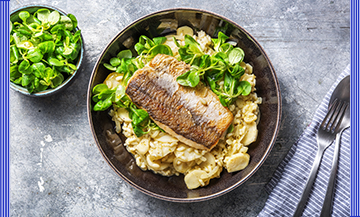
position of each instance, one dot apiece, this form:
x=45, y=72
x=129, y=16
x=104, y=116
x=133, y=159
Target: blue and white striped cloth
x=289, y=179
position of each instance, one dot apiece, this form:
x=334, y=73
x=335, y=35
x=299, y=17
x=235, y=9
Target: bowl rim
x=223, y=191
x=70, y=79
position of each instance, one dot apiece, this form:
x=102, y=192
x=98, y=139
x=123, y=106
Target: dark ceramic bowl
x=14, y=16
x=174, y=188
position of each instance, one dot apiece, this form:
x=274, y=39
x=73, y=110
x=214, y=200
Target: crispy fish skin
x=194, y=116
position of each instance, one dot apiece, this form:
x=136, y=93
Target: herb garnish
x=224, y=65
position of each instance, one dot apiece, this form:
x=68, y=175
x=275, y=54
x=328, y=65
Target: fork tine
x=341, y=115
x=334, y=120
x=330, y=113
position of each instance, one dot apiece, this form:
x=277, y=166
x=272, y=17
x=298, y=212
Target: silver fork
x=327, y=205
x=325, y=136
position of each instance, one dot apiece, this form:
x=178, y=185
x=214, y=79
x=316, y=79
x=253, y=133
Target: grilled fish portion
x=194, y=116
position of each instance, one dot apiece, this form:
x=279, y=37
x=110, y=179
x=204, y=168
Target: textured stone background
x=56, y=168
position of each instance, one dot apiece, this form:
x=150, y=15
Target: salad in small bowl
x=46, y=50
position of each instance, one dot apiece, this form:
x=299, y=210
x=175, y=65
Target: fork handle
x=309, y=183
x=327, y=206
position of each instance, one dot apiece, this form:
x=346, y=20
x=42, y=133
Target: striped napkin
x=288, y=181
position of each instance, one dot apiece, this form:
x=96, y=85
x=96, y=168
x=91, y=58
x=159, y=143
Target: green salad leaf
x=148, y=48
x=44, y=49
x=223, y=65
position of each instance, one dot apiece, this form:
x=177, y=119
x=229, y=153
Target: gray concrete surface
x=56, y=168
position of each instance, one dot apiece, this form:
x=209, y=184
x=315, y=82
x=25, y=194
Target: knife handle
x=304, y=197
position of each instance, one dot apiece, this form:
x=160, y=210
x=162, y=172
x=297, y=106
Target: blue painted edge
x=4, y=108
x=355, y=163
